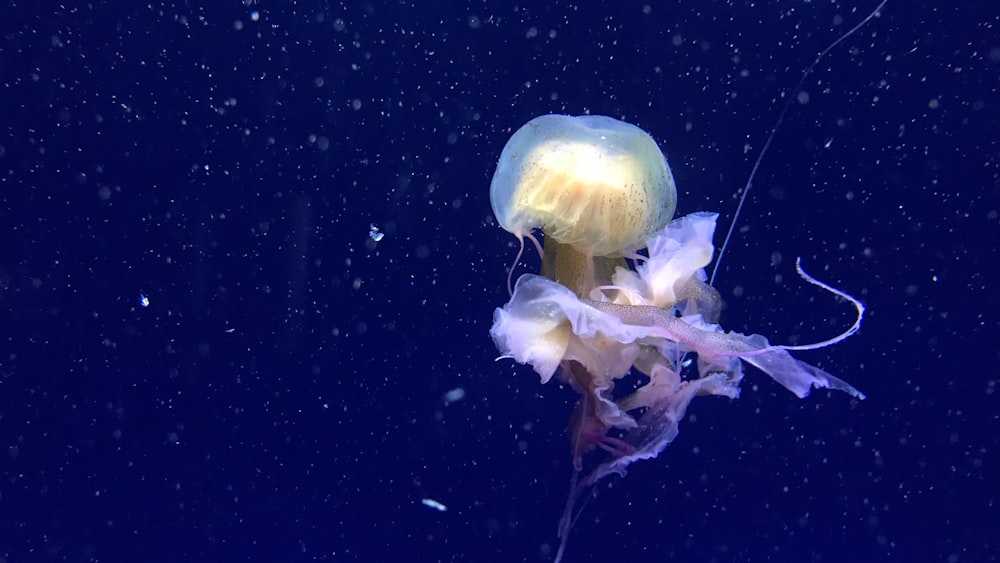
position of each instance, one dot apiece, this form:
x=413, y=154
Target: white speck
x=828, y=142
x=230, y=330
x=456, y=394
x=143, y=300
x=375, y=234
x=429, y=502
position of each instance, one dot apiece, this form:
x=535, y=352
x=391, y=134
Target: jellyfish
x=600, y=191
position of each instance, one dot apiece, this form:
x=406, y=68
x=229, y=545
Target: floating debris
x=429, y=502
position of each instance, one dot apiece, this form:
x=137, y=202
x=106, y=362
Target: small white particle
x=429, y=502
x=456, y=394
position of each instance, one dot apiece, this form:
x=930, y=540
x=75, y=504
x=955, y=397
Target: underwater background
x=205, y=355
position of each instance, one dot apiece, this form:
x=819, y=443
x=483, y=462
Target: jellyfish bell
x=592, y=182
x=596, y=186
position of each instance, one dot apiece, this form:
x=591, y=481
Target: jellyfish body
x=596, y=186
x=600, y=189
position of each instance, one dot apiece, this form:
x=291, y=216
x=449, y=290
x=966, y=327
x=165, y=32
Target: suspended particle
x=431, y=503
x=456, y=394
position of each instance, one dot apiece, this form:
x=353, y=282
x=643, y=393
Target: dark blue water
x=281, y=396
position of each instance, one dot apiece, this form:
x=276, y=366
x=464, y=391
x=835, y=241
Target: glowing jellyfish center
x=592, y=182
x=596, y=186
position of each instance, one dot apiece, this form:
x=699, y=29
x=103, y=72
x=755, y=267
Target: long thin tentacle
x=774, y=131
